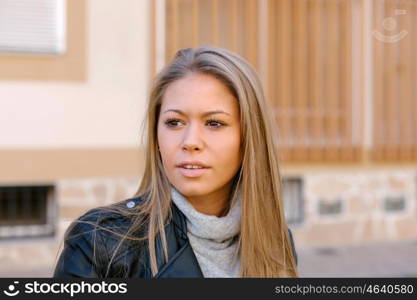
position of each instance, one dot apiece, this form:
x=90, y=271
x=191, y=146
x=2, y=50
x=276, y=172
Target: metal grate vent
x=26, y=211
x=330, y=207
x=394, y=204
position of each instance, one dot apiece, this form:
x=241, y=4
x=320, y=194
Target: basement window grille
x=331, y=207
x=26, y=211
x=394, y=204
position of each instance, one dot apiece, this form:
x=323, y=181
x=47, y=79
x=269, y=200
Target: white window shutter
x=33, y=26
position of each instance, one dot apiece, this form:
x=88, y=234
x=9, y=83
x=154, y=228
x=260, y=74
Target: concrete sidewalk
x=376, y=260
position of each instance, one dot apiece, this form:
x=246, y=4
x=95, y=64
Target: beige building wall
x=73, y=121
x=47, y=120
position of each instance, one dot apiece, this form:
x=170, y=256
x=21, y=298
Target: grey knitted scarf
x=214, y=240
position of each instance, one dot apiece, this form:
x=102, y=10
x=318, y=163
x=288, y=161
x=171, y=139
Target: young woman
x=209, y=203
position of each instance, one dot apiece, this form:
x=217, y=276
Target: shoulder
x=104, y=226
x=116, y=217
x=91, y=242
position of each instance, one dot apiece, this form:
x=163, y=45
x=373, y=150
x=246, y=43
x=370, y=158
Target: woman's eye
x=172, y=123
x=215, y=124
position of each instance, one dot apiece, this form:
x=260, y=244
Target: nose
x=192, y=140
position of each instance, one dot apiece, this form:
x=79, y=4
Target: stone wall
x=375, y=206
x=37, y=256
x=361, y=215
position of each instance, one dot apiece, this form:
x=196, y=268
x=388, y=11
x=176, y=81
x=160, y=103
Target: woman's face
x=199, y=128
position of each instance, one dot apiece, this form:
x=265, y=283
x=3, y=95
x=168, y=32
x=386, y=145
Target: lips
x=192, y=172
x=193, y=163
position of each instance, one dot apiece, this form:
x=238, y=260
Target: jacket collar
x=178, y=218
x=182, y=261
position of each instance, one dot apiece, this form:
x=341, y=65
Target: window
x=68, y=33
x=26, y=211
x=32, y=26
x=339, y=74
x=292, y=45
x=293, y=200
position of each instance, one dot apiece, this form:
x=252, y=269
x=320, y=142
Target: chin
x=192, y=189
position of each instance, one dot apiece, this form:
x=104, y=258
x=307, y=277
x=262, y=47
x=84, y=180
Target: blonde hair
x=265, y=249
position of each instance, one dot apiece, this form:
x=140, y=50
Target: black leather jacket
x=88, y=250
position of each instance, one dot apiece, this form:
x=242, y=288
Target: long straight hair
x=264, y=245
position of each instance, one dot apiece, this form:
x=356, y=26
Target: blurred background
x=340, y=76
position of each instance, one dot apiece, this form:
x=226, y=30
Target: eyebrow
x=208, y=113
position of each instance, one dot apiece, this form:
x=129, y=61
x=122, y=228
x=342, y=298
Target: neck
x=213, y=204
